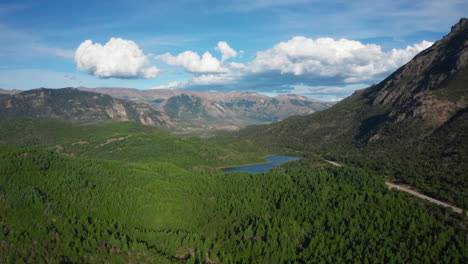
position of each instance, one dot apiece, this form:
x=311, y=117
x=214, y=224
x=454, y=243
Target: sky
x=320, y=49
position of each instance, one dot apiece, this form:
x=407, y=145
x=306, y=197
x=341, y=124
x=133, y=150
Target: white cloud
x=212, y=79
x=192, y=62
x=200, y=80
x=349, y=60
x=171, y=85
x=322, y=68
x=118, y=58
x=226, y=51
x=236, y=66
x=402, y=56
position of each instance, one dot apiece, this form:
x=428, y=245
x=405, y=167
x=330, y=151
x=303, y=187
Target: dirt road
x=422, y=196
x=414, y=193
x=334, y=163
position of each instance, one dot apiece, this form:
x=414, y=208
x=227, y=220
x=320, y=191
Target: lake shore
x=273, y=160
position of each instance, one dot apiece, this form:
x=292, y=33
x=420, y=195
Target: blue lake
x=263, y=167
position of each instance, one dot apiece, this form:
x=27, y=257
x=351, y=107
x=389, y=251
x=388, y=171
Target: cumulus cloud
x=226, y=51
x=118, y=58
x=192, y=62
x=348, y=60
x=323, y=68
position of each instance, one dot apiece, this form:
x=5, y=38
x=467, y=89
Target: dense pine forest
x=123, y=192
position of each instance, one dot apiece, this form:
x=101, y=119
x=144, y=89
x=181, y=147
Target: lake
x=273, y=161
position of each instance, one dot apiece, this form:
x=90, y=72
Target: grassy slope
x=126, y=141
x=27, y=131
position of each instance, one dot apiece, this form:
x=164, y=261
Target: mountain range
x=411, y=126
x=206, y=111
x=78, y=107
x=182, y=112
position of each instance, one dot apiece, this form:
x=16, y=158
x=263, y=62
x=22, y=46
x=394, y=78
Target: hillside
x=78, y=107
x=198, y=111
x=123, y=193
x=412, y=126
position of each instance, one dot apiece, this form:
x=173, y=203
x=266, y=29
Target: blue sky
x=321, y=49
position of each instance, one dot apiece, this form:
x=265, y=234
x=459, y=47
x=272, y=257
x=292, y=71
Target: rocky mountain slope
x=7, y=92
x=183, y=112
x=411, y=126
x=211, y=110
x=78, y=107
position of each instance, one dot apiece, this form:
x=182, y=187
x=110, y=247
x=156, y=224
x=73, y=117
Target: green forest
x=123, y=192
x=434, y=163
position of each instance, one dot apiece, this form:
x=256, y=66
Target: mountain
x=202, y=111
x=4, y=92
x=412, y=126
x=183, y=112
x=78, y=107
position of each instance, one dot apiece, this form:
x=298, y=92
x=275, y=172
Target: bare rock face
x=78, y=107
x=419, y=89
x=117, y=111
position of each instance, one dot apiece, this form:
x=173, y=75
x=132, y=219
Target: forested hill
x=79, y=107
x=126, y=193
x=411, y=126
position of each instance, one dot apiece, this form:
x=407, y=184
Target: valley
x=134, y=193
x=122, y=175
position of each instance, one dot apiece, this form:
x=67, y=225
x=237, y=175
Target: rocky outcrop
x=419, y=89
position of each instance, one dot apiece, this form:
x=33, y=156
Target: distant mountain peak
x=461, y=25
x=420, y=89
